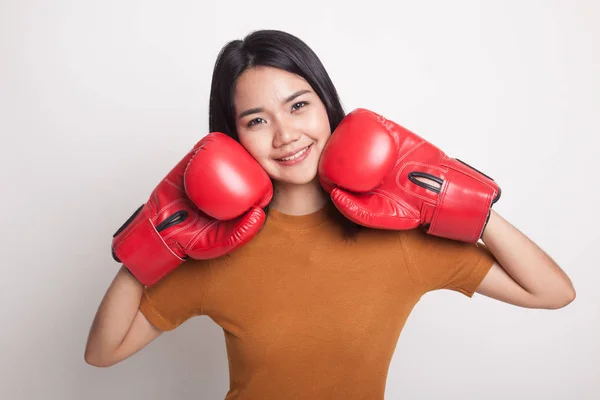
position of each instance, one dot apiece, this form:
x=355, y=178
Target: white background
x=99, y=100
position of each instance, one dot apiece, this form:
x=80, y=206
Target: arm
x=119, y=329
x=410, y=182
x=524, y=275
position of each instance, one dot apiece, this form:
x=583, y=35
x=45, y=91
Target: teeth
x=298, y=154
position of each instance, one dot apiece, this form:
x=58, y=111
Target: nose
x=285, y=133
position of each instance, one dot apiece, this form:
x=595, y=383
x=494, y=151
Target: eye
x=299, y=104
x=254, y=122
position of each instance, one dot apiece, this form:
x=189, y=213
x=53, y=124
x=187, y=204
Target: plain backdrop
x=100, y=99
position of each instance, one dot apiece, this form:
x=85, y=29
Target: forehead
x=260, y=86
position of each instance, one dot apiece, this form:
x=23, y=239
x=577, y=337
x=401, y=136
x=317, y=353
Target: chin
x=300, y=177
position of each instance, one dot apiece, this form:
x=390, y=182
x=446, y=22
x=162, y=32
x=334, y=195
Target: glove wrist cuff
x=143, y=251
x=463, y=207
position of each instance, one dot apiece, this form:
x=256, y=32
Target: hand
x=381, y=175
x=207, y=206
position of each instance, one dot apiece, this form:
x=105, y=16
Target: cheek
x=321, y=130
x=257, y=145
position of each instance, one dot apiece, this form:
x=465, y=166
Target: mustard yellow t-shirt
x=307, y=314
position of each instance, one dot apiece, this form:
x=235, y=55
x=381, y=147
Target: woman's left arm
x=524, y=275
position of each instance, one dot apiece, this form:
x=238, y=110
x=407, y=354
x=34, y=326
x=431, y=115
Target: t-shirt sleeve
x=439, y=263
x=177, y=297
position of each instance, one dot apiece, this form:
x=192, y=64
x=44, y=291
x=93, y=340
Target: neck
x=301, y=199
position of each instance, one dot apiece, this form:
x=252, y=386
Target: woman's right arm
x=119, y=329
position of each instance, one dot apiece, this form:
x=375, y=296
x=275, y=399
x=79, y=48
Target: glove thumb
x=363, y=208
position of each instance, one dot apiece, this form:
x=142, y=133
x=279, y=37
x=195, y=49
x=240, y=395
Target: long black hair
x=270, y=48
x=275, y=49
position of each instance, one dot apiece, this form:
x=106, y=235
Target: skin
x=120, y=329
x=283, y=124
x=524, y=275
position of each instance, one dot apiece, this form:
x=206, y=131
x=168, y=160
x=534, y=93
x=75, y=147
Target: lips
x=295, y=154
x=296, y=158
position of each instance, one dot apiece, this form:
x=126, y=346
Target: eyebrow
x=287, y=100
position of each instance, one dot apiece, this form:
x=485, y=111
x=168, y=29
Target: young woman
x=313, y=305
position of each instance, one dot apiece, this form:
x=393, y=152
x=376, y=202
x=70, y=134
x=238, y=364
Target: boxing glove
x=207, y=206
x=382, y=175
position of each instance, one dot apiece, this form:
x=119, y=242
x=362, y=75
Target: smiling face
x=282, y=123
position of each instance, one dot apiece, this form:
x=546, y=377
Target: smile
x=296, y=157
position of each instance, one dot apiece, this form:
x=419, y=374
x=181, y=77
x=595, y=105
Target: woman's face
x=282, y=123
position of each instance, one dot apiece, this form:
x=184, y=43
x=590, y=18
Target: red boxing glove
x=371, y=167
x=207, y=206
